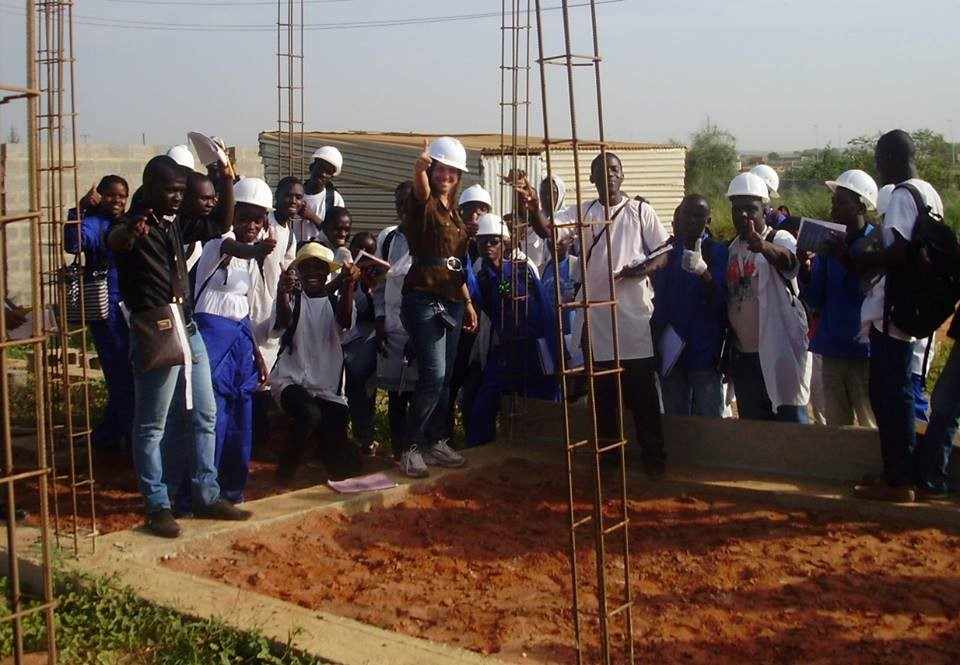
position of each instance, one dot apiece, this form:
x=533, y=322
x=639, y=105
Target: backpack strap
x=286, y=340
x=643, y=241
x=387, y=243
x=330, y=192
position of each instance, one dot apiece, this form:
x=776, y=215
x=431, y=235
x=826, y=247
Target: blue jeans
x=892, y=399
x=692, y=392
x=166, y=437
x=360, y=361
x=936, y=445
x=434, y=342
x=753, y=402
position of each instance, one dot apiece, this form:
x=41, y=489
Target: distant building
x=374, y=162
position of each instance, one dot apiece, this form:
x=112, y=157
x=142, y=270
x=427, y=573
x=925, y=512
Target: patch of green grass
x=944, y=345
x=97, y=621
x=23, y=402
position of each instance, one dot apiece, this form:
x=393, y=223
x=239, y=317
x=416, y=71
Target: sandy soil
x=481, y=562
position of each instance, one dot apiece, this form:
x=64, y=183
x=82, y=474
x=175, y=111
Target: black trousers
x=397, y=405
x=262, y=403
x=641, y=396
x=327, y=419
x=465, y=377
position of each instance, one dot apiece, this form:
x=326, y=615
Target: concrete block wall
x=94, y=161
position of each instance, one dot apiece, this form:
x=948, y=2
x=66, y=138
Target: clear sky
x=779, y=74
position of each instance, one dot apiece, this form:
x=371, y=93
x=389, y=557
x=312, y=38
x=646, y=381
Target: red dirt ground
x=481, y=562
x=117, y=499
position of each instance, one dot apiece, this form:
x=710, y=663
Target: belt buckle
x=454, y=264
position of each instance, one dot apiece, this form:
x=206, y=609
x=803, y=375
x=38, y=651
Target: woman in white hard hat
x=436, y=301
x=320, y=194
x=224, y=279
x=771, y=366
x=834, y=291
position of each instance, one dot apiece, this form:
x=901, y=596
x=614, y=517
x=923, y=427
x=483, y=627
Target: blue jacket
x=90, y=237
x=835, y=292
x=698, y=314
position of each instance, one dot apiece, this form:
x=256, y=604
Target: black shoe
x=221, y=509
x=926, y=494
x=655, y=469
x=161, y=523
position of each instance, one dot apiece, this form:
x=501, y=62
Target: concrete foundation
x=791, y=466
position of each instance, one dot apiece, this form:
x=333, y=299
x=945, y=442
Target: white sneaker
x=441, y=454
x=411, y=462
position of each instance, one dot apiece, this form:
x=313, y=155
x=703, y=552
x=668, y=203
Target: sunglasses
x=491, y=240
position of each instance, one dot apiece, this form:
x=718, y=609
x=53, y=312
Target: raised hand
x=424, y=159
x=90, y=200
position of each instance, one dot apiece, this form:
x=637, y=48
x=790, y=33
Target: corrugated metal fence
x=373, y=168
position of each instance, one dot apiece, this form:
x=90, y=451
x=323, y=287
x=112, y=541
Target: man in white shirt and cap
x=771, y=365
x=320, y=194
x=634, y=233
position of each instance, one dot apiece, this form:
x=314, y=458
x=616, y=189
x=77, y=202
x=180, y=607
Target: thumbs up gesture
x=424, y=159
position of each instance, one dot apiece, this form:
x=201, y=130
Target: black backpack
x=922, y=293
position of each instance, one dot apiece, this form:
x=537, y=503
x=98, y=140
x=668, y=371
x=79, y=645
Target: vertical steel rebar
x=67, y=390
x=290, y=102
x=586, y=232
x=27, y=467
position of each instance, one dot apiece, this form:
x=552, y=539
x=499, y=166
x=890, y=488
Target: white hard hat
x=859, y=182
x=769, y=176
x=748, y=184
x=448, y=150
x=475, y=193
x=883, y=198
x=330, y=155
x=492, y=225
x=181, y=155
x=253, y=191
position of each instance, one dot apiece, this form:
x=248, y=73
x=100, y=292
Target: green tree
x=712, y=161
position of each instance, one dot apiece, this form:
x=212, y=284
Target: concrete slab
x=135, y=558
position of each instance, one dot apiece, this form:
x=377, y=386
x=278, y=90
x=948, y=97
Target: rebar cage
x=607, y=523
x=25, y=463
x=290, y=88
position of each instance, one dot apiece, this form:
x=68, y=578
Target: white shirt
x=306, y=230
x=224, y=290
x=315, y=359
x=393, y=372
x=784, y=361
x=635, y=231
x=263, y=289
x=900, y=218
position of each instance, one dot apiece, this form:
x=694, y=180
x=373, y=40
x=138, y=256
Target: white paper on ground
x=813, y=232
x=670, y=347
x=370, y=483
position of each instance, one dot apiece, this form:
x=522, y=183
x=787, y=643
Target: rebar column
x=608, y=519
x=290, y=104
x=515, y=163
x=25, y=465
x=67, y=355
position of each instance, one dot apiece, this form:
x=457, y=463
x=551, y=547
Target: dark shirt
x=696, y=311
x=434, y=232
x=154, y=272
x=835, y=292
x=954, y=331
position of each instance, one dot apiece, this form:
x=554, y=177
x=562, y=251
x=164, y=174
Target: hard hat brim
x=447, y=162
x=833, y=184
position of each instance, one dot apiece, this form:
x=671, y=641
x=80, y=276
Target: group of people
x=229, y=299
